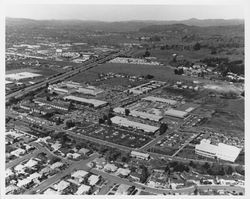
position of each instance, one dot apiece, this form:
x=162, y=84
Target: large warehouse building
x=176, y=113
x=92, y=102
x=140, y=114
x=221, y=151
x=127, y=123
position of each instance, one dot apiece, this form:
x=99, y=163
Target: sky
x=124, y=12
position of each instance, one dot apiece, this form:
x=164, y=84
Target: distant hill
x=120, y=26
x=182, y=28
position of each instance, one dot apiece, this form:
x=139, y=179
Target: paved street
x=21, y=159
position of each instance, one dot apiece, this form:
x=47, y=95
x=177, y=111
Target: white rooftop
x=176, y=113
x=93, y=179
x=79, y=174
x=56, y=165
x=125, y=122
x=50, y=191
x=61, y=185
x=82, y=189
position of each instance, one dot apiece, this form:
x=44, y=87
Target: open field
x=165, y=56
x=162, y=73
x=228, y=116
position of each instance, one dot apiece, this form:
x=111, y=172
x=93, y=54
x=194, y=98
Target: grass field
x=165, y=56
x=229, y=116
x=162, y=73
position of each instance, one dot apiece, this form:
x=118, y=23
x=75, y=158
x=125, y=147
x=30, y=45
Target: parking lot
x=114, y=135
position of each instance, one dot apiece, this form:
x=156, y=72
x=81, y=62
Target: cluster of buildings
x=79, y=182
x=234, y=77
x=145, y=88
x=123, y=60
x=33, y=172
x=70, y=153
x=180, y=85
x=72, y=87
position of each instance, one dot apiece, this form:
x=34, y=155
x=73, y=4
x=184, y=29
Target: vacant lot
x=228, y=116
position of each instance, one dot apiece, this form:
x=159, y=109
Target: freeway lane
x=65, y=75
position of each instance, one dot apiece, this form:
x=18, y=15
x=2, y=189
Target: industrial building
x=90, y=102
x=59, y=106
x=176, y=113
x=90, y=90
x=140, y=114
x=127, y=123
x=221, y=151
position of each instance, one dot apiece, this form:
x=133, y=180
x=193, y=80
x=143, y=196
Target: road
x=21, y=159
x=186, y=190
x=185, y=144
x=87, y=65
x=128, y=149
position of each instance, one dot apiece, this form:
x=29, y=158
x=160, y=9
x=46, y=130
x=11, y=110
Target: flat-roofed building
x=139, y=155
x=127, y=123
x=176, y=113
x=140, y=114
x=90, y=90
x=92, y=102
x=145, y=115
x=221, y=151
x=56, y=105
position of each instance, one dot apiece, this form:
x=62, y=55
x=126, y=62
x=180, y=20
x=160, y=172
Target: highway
x=87, y=65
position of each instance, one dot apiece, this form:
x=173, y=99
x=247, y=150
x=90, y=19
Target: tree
x=206, y=166
x=191, y=164
x=105, y=117
x=213, y=51
x=127, y=111
x=13, y=100
x=109, y=122
x=197, y=46
x=71, y=105
x=101, y=121
x=147, y=53
x=163, y=128
x=70, y=124
x=149, y=76
x=48, y=98
x=144, y=174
